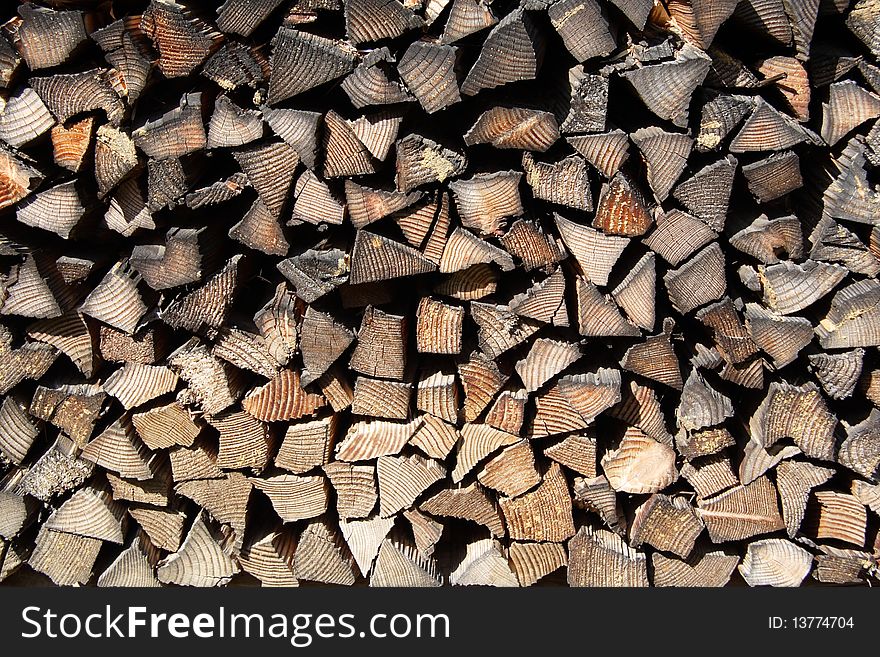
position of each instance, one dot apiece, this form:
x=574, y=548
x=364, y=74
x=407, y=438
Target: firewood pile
x=440, y=292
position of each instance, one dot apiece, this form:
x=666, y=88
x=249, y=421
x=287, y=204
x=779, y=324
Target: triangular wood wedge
x=639, y=464
x=201, y=561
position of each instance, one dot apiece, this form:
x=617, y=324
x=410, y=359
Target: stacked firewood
x=436, y=292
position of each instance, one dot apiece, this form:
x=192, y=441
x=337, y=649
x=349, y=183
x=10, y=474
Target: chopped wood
x=435, y=437
x=575, y=452
x=838, y=374
x=163, y=526
x=665, y=155
x=775, y=562
x=606, y=152
x=201, y=560
x=421, y=160
x=46, y=37
x=283, y=398
x=24, y=117
x=119, y=450
x=481, y=380
x=176, y=133
x=639, y=464
x=595, y=494
x=839, y=516
x=640, y=407
x=513, y=51
x=588, y=102
x=512, y=471
x=741, y=512
x=594, y=251
x=546, y=359
x=697, y=282
x=534, y=561
x=848, y=106
x=677, y=235
x=701, y=569
x=841, y=566
x=377, y=258
x=851, y=320
x=428, y=70
x=468, y=503
x=270, y=558
x=132, y=568
x=489, y=267
x=565, y=182
x=701, y=404
x=583, y=28
x=90, y=512
x=438, y=327
x=799, y=413
x=484, y=200
x=707, y=193
x=364, y=538
x=507, y=412
x=403, y=565
x=655, y=359
x=709, y=476
x=403, y=479
x=598, y=315
x=371, y=439
x=58, y=210
x=774, y=177
x=466, y=17
x=514, y=127
x=67, y=95
x=66, y=559
x=794, y=480
x=372, y=83
x=294, y=497
x=355, y=486
x=483, y=565
x=70, y=335
x=666, y=88
x=244, y=441
x=212, y=384
x=426, y=531
x=183, y=40
x=597, y=557
x=73, y=408
x=464, y=250
x=666, y=523
x=321, y=556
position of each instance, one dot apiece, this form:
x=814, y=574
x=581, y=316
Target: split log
x=24, y=117
x=775, y=562
x=606, y=151
x=513, y=51
x=183, y=40
x=428, y=69
x=321, y=556
x=639, y=464
x=200, y=561
x=438, y=396
x=666, y=88
x=741, y=512
x=176, y=133
x=666, y=523
x=703, y=569
x=595, y=494
x=468, y=503
x=601, y=558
